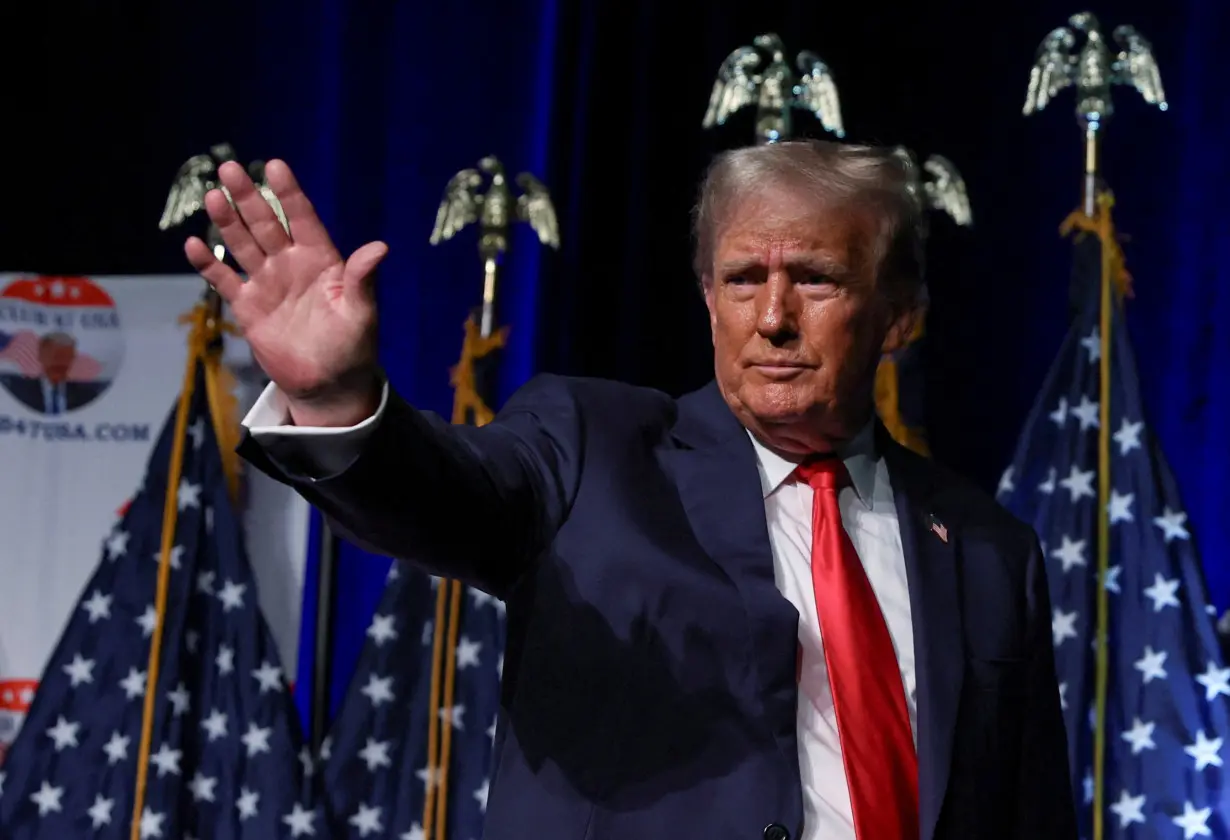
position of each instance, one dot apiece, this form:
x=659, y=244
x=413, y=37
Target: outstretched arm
x=478, y=504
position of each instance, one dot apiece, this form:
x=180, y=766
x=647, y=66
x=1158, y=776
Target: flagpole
x=322, y=659
x=1111, y=275
x=1092, y=71
x=1102, y=639
x=469, y=407
x=185, y=200
x=1091, y=169
x=195, y=178
x=205, y=329
x=495, y=211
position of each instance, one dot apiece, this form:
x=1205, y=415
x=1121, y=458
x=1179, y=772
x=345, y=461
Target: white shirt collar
x=859, y=455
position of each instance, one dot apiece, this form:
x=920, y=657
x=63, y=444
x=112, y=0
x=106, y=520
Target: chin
x=776, y=403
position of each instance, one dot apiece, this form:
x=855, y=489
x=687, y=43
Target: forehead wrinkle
x=819, y=247
x=819, y=260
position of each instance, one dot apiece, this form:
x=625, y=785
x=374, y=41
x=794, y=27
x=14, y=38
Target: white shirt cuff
x=328, y=449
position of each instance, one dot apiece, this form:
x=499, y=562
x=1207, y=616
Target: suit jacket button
x=773, y=831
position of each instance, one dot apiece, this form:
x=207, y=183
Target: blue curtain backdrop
x=377, y=104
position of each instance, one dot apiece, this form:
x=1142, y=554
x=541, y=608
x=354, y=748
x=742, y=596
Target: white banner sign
x=90, y=369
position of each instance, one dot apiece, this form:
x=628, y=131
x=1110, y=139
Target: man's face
x=56, y=360
x=798, y=322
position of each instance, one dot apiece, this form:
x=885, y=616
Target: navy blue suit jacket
x=649, y=677
x=28, y=390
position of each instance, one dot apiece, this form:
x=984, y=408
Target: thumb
x=357, y=275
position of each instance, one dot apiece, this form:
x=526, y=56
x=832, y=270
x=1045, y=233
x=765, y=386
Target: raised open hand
x=308, y=315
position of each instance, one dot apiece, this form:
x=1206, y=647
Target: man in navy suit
x=746, y=613
x=53, y=393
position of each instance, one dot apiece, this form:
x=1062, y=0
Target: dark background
x=375, y=105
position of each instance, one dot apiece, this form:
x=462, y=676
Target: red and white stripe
x=22, y=351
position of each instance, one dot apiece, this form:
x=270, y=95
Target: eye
x=816, y=279
x=738, y=279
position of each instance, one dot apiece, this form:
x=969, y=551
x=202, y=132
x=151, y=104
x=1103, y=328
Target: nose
x=777, y=318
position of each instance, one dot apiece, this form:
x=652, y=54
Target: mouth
x=779, y=370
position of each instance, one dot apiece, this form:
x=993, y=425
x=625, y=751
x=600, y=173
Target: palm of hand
x=308, y=316
x=302, y=330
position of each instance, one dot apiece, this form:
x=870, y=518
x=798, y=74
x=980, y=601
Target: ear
x=906, y=327
x=706, y=288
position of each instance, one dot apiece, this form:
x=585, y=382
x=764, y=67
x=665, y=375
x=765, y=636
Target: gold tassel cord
x=202, y=335
x=1114, y=264
x=1106, y=234
x=466, y=399
x=468, y=407
x=223, y=408
x=1115, y=285
x=446, y=712
x=433, y=715
x=888, y=402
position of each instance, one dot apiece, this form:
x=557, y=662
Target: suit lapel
x=714, y=469
x=931, y=570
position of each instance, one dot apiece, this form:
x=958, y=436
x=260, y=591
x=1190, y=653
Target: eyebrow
x=818, y=262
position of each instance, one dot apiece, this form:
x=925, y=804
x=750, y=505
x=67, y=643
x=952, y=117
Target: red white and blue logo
x=60, y=343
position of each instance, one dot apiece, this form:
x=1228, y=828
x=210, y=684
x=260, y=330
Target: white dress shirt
x=55, y=397
x=869, y=515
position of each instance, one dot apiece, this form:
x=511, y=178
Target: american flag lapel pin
x=939, y=528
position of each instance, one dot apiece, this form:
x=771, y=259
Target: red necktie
x=873, y=722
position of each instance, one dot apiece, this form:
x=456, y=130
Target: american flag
x=225, y=758
x=376, y=758
x=1166, y=723
x=20, y=350
x=85, y=368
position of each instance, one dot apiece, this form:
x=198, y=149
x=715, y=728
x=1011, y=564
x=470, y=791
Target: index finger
x=305, y=226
